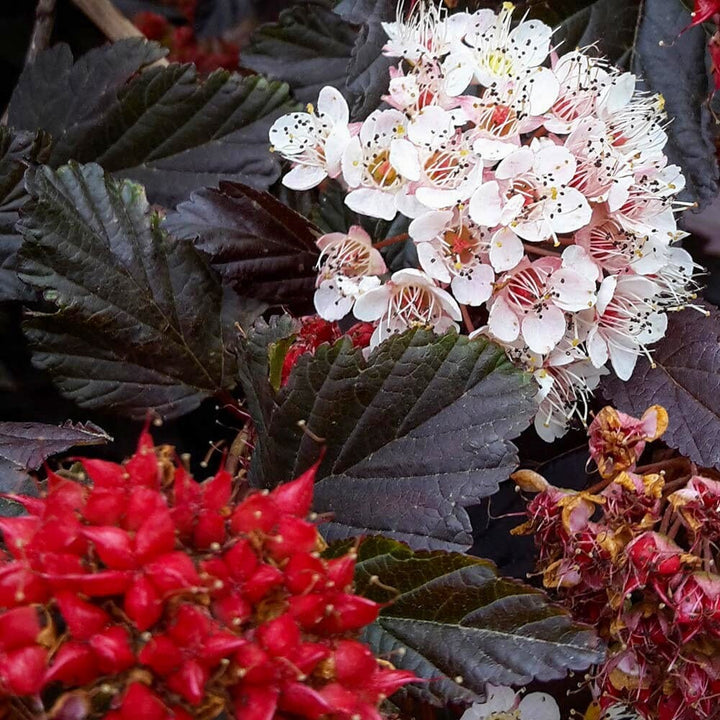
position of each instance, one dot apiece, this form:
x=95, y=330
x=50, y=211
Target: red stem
x=391, y=240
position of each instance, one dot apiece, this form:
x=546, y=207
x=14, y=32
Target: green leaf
x=259, y=246
x=18, y=150
x=161, y=127
x=309, y=47
x=138, y=321
x=450, y=616
x=412, y=435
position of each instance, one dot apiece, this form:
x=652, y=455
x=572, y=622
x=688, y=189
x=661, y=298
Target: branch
x=40, y=37
x=42, y=29
x=113, y=24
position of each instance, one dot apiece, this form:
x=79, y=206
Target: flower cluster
x=538, y=191
x=638, y=558
x=503, y=702
x=143, y=594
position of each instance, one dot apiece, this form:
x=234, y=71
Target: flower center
x=381, y=171
x=499, y=63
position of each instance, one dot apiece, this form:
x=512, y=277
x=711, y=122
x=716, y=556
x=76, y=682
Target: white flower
x=503, y=703
x=450, y=174
x=452, y=249
x=532, y=301
x=409, y=299
x=378, y=163
x=564, y=393
x=535, y=181
x=313, y=142
x=425, y=32
x=625, y=321
x=582, y=80
x=423, y=86
x=347, y=265
x=492, y=52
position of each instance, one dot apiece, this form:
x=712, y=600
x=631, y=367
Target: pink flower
x=348, y=265
x=409, y=299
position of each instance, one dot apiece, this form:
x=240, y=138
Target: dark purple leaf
x=260, y=247
x=685, y=380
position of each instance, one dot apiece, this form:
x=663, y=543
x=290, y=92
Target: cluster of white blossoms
x=536, y=186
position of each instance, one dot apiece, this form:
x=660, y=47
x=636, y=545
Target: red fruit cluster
x=314, y=331
x=141, y=594
x=637, y=558
x=207, y=54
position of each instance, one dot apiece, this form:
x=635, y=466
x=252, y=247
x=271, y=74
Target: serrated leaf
x=18, y=150
x=676, y=69
x=25, y=446
x=309, y=47
x=685, y=380
x=254, y=371
x=449, y=615
x=367, y=72
x=139, y=318
x=161, y=127
x=260, y=247
x=412, y=435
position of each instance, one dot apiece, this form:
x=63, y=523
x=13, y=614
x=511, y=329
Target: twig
x=113, y=24
x=541, y=251
x=40, y=37
x=42, y=29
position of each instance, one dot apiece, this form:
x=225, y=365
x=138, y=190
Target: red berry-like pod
x=73, y=664
x=19, y=627
x=22, y=671
x=295, y=497
x=83, y=619
x=112, y=649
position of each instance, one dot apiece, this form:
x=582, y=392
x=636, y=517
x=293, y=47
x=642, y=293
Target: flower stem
x=469, y=327
x=541, y=251
x=391, y=240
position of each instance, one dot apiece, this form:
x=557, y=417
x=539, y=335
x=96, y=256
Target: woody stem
x=391, y=240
